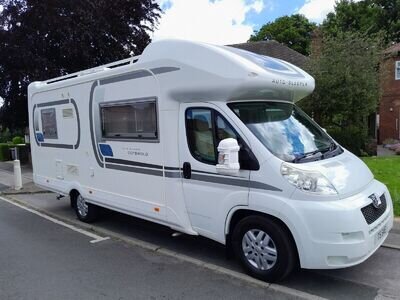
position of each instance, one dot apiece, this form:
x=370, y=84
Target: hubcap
x=259, y=249
x=82, y=206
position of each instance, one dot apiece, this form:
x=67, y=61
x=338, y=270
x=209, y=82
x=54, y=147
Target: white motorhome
x=208, y=141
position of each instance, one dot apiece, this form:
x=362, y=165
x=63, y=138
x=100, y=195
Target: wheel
x=85, y=212
x=264, y=247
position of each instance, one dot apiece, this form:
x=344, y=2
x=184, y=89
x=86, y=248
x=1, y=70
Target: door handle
x=187, y=170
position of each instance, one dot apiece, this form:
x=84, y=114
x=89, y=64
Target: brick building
x=389, y=104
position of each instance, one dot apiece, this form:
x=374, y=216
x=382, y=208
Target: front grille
x=371, y=214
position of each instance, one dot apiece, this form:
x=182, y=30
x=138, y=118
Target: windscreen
x=285, y=130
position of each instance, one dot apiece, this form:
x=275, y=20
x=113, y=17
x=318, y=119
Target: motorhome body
x=141, y=136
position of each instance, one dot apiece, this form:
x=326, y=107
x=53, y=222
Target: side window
x=49, y=123
x=205, y=129
x=224, y=130
x=135, y=120
x=199, y=127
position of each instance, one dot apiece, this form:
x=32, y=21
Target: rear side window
x=49, y=123
x=129, y=120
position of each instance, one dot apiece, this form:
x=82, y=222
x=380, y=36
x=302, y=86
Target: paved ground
x=381, y=151
x=42, y=260
x=378, y=277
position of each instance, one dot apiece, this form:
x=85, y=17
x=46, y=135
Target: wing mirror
x=228, y=157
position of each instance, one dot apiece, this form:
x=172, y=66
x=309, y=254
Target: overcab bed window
x=129, y=120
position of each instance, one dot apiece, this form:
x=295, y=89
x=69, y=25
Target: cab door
x=209, y=196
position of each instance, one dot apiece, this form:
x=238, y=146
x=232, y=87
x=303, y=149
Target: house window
x=397, y=70
x=129, y=120
x=49, y=123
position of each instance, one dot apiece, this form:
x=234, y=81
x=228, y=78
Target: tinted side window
x=199, y=127
x=205, y=129
x=49, y=123
x=136, y=120
x=224, y=130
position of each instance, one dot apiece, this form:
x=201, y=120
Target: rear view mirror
x=228, y=157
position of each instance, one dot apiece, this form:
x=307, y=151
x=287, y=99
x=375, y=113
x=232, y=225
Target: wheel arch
x=239, y=213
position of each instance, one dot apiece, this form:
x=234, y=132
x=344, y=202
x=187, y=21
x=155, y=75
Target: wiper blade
x=307, y=155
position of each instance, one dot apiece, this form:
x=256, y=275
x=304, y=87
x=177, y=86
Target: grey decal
x=96, y=153
x=263, y=186
x=172, y=168
x=127, y=76
x=162, y=70
x=62, y=146
x=78, y=141
x=172, y=174
x=51, y=103
x=135, y=170
x=204, y=172
x=33, y=122
x=131, y=163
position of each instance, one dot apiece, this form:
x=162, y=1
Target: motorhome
x=208, y=140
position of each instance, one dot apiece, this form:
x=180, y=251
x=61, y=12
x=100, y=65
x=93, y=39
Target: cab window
x=205, y=129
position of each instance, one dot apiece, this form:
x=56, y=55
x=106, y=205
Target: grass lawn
x=387, y=170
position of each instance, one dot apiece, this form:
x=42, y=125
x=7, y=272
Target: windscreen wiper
x=307, y=155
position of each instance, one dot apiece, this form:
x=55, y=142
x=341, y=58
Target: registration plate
x=381, y=234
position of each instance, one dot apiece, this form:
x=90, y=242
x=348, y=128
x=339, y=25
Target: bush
x=352, y=139
x=5, y=152
x=18, y=140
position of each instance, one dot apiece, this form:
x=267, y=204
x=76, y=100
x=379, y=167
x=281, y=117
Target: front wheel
x=85, y=212
x=264, y=248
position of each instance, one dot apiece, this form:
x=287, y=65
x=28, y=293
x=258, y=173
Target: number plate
x=381, y=234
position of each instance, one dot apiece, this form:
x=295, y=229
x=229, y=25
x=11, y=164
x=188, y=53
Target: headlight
x=308, y=181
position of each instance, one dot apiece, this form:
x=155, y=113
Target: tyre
x=85, y=212
x=264, y=247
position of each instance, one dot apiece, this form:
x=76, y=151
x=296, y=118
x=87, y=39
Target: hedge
x=5, y=152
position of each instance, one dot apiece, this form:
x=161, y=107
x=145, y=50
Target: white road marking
x=96, y=238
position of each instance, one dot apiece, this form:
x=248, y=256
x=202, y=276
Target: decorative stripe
x=96, y=153
x=52, y=103
x=131, y=163
x=135, y=170
x=162, y=70
x=172, y=168
x=173, y=174
x=61, y=146
x=127, y=76
x=78, y=141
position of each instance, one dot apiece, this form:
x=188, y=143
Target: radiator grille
x=371, y=213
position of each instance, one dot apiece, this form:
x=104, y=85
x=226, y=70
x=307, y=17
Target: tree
x=44, y=39
x=294, y=31
x=367, y=16
x=347, y=85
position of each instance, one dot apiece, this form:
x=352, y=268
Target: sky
x=230, y=21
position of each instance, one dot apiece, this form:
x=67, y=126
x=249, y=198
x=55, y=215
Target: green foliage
x=294, y=31
x=353, y=139
x=5, y=136
x=367, y=16
x=44, y=39
x=347, y=86
x=4, y=152
x=387, y=170
x=18, y=140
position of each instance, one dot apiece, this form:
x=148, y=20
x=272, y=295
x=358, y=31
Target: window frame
x=54, y=110
x=397, y=70
x=117, y=103
x=214, y=114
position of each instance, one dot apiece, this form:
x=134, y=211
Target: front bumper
x=336, y=233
